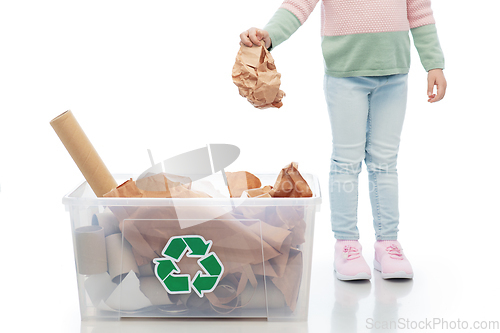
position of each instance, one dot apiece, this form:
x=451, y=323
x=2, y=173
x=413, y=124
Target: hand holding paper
x=255, y=75
x=254, y=35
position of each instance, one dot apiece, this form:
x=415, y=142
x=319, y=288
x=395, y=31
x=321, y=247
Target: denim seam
x=368, y=139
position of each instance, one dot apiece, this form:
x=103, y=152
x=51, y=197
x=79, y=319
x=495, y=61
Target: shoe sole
x=359, y=276
x=395, y=275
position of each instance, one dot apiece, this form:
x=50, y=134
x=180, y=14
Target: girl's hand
x=435, y=77
x=254, y=35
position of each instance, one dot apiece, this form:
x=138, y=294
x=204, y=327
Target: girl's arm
x=423, y=30
x=285, y=21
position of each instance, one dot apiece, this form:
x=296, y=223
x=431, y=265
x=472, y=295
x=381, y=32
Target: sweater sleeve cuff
x=281, y=26
x=427, y=43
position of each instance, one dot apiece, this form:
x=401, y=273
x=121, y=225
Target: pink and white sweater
x=365, y=37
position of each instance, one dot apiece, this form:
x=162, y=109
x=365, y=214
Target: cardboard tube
x=146, y=270
x=192, y=301
x=83, y=153
x=90, y=250
x=154, y=291
x=107, y=221
x=120, y=257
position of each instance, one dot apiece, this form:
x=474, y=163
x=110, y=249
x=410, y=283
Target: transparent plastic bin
x=136, y=258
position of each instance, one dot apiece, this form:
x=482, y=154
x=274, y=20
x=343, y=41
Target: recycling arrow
x=167, y=271
x=204, y=283
x=164, y=266
x=197, y=245
x=175, y=248
x=211, y=264
x=174, y=283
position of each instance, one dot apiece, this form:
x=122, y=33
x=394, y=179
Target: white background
x=157, y=74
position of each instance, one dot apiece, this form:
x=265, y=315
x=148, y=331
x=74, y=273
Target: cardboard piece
x=83, y=153
x=255, y=75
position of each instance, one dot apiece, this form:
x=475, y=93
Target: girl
x=366, y=50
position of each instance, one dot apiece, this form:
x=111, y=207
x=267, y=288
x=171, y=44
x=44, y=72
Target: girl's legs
x=347, y=100
x=387, y=105
x=366, y=115
x=385, y=122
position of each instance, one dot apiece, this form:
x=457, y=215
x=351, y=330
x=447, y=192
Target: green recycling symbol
x=167, y=271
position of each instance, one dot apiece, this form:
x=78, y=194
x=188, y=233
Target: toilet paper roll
x=107, y=221
x=154, y=291
x=193, y=301
x=120, y=257
x=147, y=269
x=90, y=250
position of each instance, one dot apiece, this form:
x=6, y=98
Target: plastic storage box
x=186, y=257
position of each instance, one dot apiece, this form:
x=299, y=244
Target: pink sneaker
x=349, y=264
x=391, y=261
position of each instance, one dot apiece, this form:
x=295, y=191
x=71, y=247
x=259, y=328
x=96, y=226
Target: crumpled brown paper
x=255, y=75
x=262, y=192
x=252, y=241
x=161, y=185
x=290, y=183
x=239, y=181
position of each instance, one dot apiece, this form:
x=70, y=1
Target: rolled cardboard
x=120, y=257
x=107, y=221
x=192, y=301
x=146, y=270
x=90, y=250
x=154, y=291
x=83, y=153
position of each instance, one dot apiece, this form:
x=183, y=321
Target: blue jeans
x=366, y=115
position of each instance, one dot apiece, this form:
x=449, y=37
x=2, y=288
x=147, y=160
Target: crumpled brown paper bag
x=290, y=183
x=255, y=75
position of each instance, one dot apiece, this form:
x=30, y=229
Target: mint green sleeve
x=281, y=26
x=427, y=43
